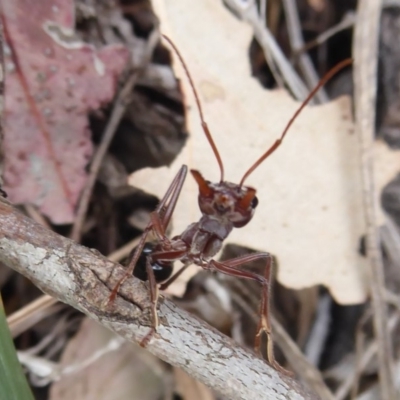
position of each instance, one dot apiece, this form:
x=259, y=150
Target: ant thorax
x=204, y=239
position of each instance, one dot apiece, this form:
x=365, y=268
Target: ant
x=224, y=205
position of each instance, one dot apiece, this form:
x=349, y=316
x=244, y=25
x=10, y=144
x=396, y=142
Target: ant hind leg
x=232, y=268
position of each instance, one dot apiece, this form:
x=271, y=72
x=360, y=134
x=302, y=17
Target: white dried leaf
x=310, y=213
x=127, y=372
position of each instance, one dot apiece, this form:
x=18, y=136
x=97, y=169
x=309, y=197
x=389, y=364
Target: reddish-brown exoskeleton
x=224, y=206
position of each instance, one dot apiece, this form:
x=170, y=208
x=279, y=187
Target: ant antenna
x=196, y=96
x=278, y=142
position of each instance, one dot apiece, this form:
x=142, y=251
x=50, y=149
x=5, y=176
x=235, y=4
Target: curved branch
x=84, y=279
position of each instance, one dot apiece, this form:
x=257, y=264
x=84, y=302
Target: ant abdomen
x=162, y=269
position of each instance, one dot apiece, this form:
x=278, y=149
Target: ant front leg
x=153, y=298
x=170, y=255
x=231, y=267
x=159, y=220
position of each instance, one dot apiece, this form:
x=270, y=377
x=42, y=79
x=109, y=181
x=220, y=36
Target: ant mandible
x=224, y=206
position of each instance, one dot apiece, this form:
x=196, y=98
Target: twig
x=347, y=22
x=319, y=332
x=359, y=347
x=116, y=116
x=365, y=359
x=390, y=237
x=267, y=53
x=124, y=250
x=310, y=374
x=248, y=12
x=31, y=314
x=296, y=42
x=263, y=11
x=393, y=299
x=36, y=215
x=84, y=279
x=365, y=52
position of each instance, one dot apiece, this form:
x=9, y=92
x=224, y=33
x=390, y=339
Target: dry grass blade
x=365, y=78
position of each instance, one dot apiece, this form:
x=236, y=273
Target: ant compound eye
x=248, y=199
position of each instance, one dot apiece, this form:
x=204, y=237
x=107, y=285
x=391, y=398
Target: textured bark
x=84, y=278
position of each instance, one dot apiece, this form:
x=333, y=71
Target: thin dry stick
x=84, y=279
x=296, y=43
x=347, y=22
x=360, y=344
x=310, y=374
x=365, y=80
x=393, y=299
x=248, y=12
x=31, y=314
x=390, y=237
x=366, y=358
x=123, y=251
x=263, y=10
x=267, y=53
x=36, y=215
x=116, y=116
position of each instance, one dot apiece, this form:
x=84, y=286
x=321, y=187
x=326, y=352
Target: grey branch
x=84, y=279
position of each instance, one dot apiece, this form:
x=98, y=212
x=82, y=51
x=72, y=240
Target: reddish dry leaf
x=53, y=81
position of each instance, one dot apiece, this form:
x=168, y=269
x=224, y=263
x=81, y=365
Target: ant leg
x=173, y=278
x=176, y=185
x=154, y=293
x=161, y=216
x=153, y=298
x=231, y=267
x=165, y=207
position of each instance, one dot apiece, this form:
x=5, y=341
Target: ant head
x=226, y=200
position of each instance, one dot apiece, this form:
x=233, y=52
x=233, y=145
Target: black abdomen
x=162, y=269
